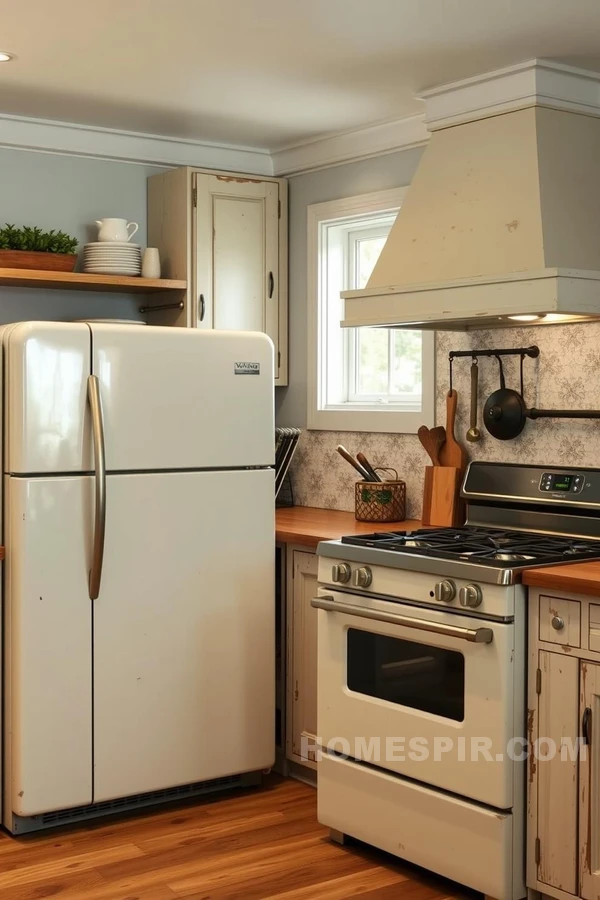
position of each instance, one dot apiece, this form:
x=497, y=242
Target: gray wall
x=69, y=192
x=379, y=174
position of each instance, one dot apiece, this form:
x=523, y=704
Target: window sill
x=388, y=420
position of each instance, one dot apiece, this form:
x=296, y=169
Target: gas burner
x=509, y=557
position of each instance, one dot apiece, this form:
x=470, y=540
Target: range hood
x=501, y=223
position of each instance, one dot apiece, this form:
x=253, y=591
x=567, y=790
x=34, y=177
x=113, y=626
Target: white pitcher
x=116, y=229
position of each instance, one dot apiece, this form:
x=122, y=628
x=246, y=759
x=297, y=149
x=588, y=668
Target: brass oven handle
x=93, y=386
x=473, y=635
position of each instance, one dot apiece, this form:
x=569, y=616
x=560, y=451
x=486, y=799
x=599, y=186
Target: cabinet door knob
x=202, y=306
x=271, y=285
x=558, y=623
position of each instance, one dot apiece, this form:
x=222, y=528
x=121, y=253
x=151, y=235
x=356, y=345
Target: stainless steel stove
x=422, y=638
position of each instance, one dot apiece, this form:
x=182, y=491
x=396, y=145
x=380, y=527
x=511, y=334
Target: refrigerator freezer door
x=47, y=423
x=177, y=398
x=184, y=643
x=48, y=640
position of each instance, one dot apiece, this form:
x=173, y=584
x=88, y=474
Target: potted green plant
x=32, y=248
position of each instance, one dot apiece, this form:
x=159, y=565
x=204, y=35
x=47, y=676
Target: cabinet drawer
x=560, y=621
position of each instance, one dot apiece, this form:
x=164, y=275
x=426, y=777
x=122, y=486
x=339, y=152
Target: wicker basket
x=380, y=501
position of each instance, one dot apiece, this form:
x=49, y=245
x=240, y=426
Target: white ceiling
x=267, y=73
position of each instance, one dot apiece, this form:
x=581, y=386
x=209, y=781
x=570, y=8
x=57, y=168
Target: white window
x=360, y=379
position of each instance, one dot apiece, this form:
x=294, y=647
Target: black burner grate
x=485, y=546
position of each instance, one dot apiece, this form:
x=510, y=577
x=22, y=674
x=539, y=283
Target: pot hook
x=502, y=378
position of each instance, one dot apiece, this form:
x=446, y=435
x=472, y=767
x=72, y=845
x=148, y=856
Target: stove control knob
x=341, y=573
x=362, y=577
x=445, y=591
x=470, y=595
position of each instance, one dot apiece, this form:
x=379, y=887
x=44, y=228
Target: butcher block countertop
x=307, y=525
x=574, y=578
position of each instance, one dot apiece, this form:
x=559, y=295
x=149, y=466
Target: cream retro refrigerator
x=138, y=594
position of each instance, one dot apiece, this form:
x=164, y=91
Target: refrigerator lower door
x=184, y=643
x=48, y=643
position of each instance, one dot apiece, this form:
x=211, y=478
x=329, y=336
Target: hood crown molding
x=537, y=82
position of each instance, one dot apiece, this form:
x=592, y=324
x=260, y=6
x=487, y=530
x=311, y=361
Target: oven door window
x=419, y=676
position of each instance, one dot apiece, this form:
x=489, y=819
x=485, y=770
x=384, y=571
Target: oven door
x=422, y=692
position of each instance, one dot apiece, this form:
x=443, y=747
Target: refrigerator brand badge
x=246, y=368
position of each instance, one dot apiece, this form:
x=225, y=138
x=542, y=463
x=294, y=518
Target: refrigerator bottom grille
x=25, y=824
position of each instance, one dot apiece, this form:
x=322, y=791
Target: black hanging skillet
x=505, y=412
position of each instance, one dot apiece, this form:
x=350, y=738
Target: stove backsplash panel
x=566, y=376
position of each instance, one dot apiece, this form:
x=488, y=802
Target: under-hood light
x=529, y=317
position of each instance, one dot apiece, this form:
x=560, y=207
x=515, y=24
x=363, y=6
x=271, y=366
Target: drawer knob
x=558, y=623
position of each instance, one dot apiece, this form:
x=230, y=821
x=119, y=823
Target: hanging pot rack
x=505, y=412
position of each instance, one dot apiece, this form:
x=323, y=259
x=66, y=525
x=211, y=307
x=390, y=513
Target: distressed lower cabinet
x=302, y=657
x=563, y=840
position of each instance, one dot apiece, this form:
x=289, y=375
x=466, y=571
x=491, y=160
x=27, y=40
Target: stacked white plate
x=112, y=258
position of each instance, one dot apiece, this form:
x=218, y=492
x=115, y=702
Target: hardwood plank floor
x=259, y=844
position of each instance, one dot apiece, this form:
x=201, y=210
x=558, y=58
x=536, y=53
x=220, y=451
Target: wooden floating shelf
x=82, y=281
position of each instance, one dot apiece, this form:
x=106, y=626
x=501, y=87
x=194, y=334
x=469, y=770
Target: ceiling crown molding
x=350, y=146
x=537, y=82
x=21, y=133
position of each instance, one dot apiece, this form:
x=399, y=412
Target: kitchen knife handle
x=356, y=465
x=95, y=402
x=362, y=459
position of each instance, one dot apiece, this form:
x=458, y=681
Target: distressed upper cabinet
x=227, y=235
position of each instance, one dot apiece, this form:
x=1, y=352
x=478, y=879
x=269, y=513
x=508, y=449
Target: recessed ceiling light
x=5, y=57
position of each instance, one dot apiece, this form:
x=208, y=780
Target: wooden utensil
x=362, y=459
x=474, y=434
x=437, y=436
x=452, y=454
x=356, y=465
x=432, y=440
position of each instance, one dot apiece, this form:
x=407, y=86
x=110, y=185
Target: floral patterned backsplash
x=565, y=376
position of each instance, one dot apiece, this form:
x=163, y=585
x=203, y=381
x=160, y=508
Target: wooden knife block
x=442, y=504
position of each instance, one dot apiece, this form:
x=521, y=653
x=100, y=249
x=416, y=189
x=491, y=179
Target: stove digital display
x=561, y=483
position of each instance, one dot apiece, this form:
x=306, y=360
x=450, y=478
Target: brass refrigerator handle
x=94, y=400
x=472, y=635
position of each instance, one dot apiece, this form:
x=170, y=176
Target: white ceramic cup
x=151, y=263
x=116, y=229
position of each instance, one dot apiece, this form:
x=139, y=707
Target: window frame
x=358, y=415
